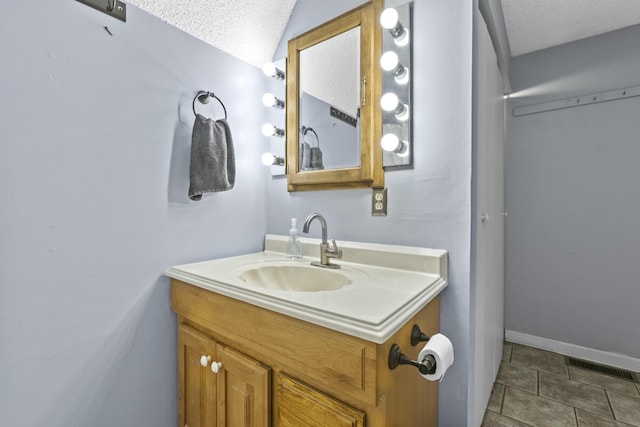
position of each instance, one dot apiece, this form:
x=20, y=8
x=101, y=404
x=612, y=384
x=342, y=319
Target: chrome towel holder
x=204, y=96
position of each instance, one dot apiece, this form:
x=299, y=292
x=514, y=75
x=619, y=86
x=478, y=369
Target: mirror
x=330, y=103
x=333, y=117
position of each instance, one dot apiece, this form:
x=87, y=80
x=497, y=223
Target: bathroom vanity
x=255, y=352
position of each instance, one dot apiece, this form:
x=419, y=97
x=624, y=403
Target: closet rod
x=577, y=101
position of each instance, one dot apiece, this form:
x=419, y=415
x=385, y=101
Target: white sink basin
x=299, y=278
x=377, y=289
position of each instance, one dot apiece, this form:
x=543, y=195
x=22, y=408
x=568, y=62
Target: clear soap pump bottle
x=294, y=248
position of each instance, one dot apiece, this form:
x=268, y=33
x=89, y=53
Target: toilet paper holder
x=426, y=366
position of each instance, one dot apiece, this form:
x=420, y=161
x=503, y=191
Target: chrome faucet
x=326, y=252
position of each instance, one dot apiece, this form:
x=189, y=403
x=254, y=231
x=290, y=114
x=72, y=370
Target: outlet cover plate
x=379, y=202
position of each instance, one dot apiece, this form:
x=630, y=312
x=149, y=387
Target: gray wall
x=572, y=235
x=429, y=206
x=94, y=151
x=338, y=139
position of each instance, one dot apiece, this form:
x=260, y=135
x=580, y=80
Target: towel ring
x=304, y=130
x=203, y=96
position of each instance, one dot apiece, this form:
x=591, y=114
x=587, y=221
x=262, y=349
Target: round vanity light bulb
x=268, y=159
x=269, y=69
x=268, y=129
x=269, y=100
x=389, y=18
x=389, y=60
x=389, y=101
x=390, y=142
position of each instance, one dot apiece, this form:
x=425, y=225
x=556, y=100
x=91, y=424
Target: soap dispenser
x=294, y=247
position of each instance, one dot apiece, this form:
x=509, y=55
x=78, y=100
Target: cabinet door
x=196, y=383
x=243, y=390
x=299, y=405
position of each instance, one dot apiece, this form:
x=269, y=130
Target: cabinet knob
x=204, y=360
x=215, y=367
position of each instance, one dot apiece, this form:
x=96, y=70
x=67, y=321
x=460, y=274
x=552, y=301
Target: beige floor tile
x=574, y=393
x=539, y=359
x=491, y=419
x=588, y=419
x=495, y=401
x=604, y=381
x=506, y=352
x=625, y=408
x=518, y=376
x=535, y=410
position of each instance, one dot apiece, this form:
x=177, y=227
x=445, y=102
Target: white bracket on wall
x=113, y=8
x=611, y=95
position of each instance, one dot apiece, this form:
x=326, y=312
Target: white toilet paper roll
x=441, y=349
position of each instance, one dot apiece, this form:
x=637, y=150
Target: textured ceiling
x=251, y=29
x=247, y=29
x=538, y=24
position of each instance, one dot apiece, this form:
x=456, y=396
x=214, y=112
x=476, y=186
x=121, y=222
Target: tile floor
x=536, y=388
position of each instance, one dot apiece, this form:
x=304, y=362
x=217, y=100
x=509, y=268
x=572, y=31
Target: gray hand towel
x=213, y=166
x=305, y=156
x=316, y=158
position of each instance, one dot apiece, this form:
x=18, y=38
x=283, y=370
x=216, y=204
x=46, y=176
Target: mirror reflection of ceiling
x=330, y=71
x=247, y=29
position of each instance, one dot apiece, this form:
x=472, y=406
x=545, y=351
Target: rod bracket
x=113, y=8
x=417, y=336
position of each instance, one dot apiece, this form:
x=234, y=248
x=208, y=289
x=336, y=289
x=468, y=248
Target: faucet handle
x=337, y=253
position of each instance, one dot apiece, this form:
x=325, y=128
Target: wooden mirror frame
x=369, y=174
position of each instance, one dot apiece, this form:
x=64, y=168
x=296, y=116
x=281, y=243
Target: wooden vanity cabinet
x=280, y=371
x=236, y=395
x=301, y=406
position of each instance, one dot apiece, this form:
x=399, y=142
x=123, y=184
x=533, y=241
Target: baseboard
x=585, y=353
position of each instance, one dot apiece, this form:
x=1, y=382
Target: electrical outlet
x=379, y=202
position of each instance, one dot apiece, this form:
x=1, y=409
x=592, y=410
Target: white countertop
x=389, y=285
